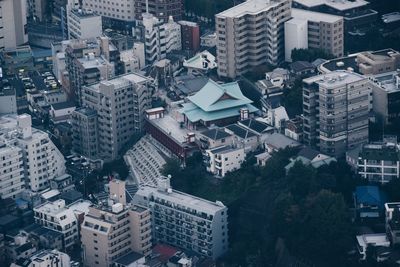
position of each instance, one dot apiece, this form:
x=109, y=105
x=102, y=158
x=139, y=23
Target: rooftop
x=224, y=149
x=121, y=81
x=256, y=125
x=63, y=105
x=128, y=259
x=280, y=141
x=177, y=197
x=249, y=7
x=369, y=195
x=335, y=78
x=172, y=127
x=83, y=13
x=216, y=134
x=340, y=5
x=240, y=131
x=380, y=151
x=314, y=16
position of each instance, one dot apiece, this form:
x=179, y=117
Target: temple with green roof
x=217, y=104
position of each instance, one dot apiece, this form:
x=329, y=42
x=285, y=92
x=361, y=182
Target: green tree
x=309, y=54
x=293, y=98
x=323, y=230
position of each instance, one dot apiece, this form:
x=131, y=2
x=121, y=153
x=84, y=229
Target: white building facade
x=224, y=159
x=13, y=24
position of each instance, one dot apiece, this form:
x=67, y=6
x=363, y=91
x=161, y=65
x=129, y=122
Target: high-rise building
x=114, y=229
x=83, y=24
x=61, y=218
x=11, y=170
x=250, y=34
x=88, y=62
x=120, y=104
x=42, y=161
x=190, y=32
x=322, y=31
x=13, y=29
x=336, y=110
x=85, y=133
x=160, y=8
x=116, y=14
x=159, y=38
x=185, y=221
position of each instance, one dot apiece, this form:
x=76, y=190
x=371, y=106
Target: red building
x=190, y=32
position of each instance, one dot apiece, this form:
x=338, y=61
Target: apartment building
x=88, y=62
x=120, y=104
x=377, y=162
x=13, y=24
x=114, y=229
x=159, y=37
x=48, y=258
x=224, y=159
x=116, y=14
x=250, y=34
x=83, y=24
x=11, y=169
x=160, y=8
x=85, y=140
x=61, y=218
x=190, y=35
x=322, y=31
x=185, y=221
x=335, y=109
x=356, y=13
x=42, y=161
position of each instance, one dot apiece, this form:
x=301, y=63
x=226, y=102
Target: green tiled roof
x=194, y=114
x=214, y=97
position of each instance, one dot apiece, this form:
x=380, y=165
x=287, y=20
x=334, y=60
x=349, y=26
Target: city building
x=214, y=138
x=159, y=37
x=116, y=14
x=169, y=133
x=83, y=24
x=381, y=67
x=13, y=23
x=224, y=159
x=120, y=104
x=294, y=128
x=88, y=62
x=377, y=162
x=356, y=13
x=190, y=35
x=216, y=104
x=85, y=140
x=61, y=218
x=249, y=35
x=392, y=222
x=47, y=258
x=133, y=60
x=201, y=63
x=310, y=157
x=114, y=229
x=12, y=170
x=42, y=161
x=8, y=101
x=185, y=221
x=61, y=112
x=335, y=109
x=159, y=8
x=308, y=29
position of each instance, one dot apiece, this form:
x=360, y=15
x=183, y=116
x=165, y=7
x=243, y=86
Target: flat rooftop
x=314, y=16
x=183, y=199
x=224, y=149
x=172, y=127
x=249, y=7
x=121, y=81
x=340, y=5
x=335, y=78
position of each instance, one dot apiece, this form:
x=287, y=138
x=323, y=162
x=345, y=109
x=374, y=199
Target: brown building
x=160, y=8
x=190, y=34
x=114, y=230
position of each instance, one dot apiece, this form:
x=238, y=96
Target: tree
x=323, y=230
x=293, y=98
x=310, y=54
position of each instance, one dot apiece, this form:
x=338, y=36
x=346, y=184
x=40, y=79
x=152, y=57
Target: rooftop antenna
x=147, y=6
